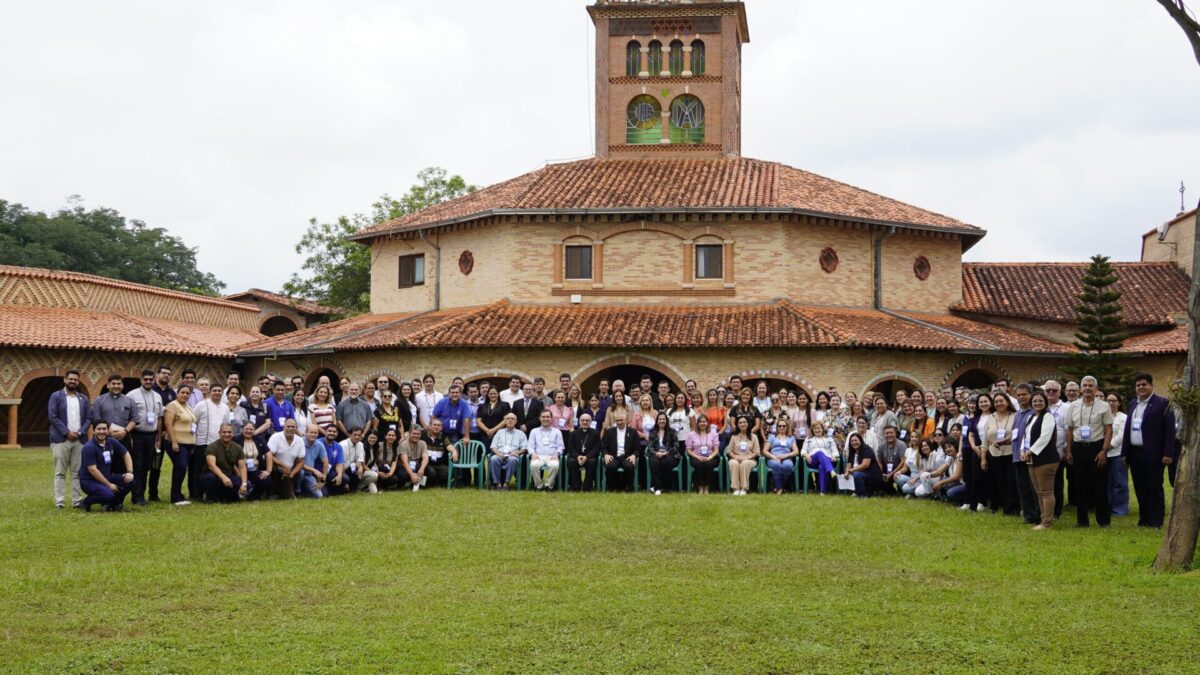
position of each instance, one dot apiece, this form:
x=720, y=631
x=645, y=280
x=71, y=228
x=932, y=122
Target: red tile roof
x=70, y=328
x=63, y=275
x=780, y=324
x=299, y=304
x=1173, y=340
x=730, y=184
x=1152, y=292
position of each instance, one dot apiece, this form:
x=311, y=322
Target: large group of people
x=1003, y=449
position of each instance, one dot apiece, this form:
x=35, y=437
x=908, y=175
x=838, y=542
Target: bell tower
x=669, y=78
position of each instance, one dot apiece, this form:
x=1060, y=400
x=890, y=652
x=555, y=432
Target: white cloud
x=232, y=123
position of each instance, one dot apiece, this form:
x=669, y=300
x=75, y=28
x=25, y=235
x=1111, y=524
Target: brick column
x=558, y=265
x=11, y=441
x=689, y=264
x=644, y=71
x=666, y=61
x=687, y=61
x=598, y=264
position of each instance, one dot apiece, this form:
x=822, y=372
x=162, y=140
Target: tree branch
x=1191, y=28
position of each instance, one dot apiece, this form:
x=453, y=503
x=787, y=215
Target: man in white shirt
x=1058, y=408
x=508, y=444
x=427, y=398
x=513, y=392
x=287, y=449
x=545, y=449
x=361, y=477
x=211, y=413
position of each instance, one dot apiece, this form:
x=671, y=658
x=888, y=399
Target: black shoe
x=139, y=502
x=86, y=508
x=115, y=509
x=154, y=498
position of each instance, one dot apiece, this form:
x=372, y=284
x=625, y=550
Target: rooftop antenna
x=1182, y=191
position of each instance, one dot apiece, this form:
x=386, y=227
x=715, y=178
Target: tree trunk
x=1183, y=524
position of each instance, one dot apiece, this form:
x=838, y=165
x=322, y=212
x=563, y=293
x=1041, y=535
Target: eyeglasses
x=1053, y=391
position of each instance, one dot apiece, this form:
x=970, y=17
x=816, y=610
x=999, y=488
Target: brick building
x=279, y=314
x=670, y=252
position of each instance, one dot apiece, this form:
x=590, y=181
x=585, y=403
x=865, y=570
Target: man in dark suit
x=1148, y=448
x=621, y=448
x=583, y=448
x=528, y=409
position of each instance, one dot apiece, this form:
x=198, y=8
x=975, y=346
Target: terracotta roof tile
x=63, y=275
x=300, y=304
x=69, y=328
x=1173, y=340
x=780, y=324
x=671, y=184
x=1152, y=292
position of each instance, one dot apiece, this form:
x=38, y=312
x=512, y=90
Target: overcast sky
x=1063, y=127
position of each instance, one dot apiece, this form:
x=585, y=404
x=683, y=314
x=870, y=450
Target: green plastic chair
x=471, y=455
x=810, y=472
x=678, y=471
x=722, y=480
x=760, y=472
x=602, y=475
x=560, y=481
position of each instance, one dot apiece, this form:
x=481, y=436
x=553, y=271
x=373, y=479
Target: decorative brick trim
x=472, y=376
x=793, y=378
x=315, y=366
x=890, y=375
x=634, y=359
x=667, y=147
x=975, y=363
x=621, y=228
x=625, y=79
x=647, y=292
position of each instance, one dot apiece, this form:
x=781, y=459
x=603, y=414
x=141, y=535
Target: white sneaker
x=657, y=492
x=182, y=502
x=373, y=488
x=416, y=487
x=980, y=508
x=965, y=507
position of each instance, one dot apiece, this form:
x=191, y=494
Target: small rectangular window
x=709, y=262
x=579, y=262
x=412, y=270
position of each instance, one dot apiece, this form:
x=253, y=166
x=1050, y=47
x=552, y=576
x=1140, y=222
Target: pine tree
x=1099, y=329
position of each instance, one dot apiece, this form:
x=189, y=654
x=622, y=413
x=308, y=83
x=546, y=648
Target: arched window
x=697, y=57
x=655, y=58
x=676, y=58
x=643, y=120
x=633, y=58
x=687, y=120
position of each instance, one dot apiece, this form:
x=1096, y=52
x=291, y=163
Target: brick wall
x=770, y=259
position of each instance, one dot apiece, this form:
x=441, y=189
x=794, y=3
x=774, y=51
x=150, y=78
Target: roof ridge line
x=932, y=326
x=804, y=316
x=366, y=331
x=184, y=338
x=482, y=309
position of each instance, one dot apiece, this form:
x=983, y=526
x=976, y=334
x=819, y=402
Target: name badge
x=435, y=456
x=251, y=464
x=1000, y=434
x=107, y=457
x=231, y=418
x=412, y=465
x=889, y=467
x=279, y=422
x=903, y=434
x=803, y=432
x=151, y=418
x=504, y=451
x=562, y=422
x=704, y=450
x=743, y=446
x=595, y=424
x=1025, y=443
x=829, y=432
x=1137, y=424
x=453, y=423
x=254, y=420
x=1085, y=433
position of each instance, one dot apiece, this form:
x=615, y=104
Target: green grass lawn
x=523, y=582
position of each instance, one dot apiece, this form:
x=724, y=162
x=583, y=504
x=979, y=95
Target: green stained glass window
x=676, y=58
x=633, y=58
x=697, y=57
x=687, y=120
x=643, y=120
x=655, y=58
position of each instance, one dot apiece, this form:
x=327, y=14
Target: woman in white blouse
x=1118, y=476
x=996, y=462
x=819, y=452
x=1039, y=450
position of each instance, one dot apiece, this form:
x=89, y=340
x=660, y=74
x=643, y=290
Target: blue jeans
x=179, y=469
x=957, y=494
x=1118, y=486
x=503, y=468
x=307, y=486
x=781, y=471
x=861, y=489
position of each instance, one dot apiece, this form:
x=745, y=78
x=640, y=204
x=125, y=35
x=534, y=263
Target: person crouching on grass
x=96, y=476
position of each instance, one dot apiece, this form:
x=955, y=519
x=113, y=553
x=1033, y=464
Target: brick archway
x=890, y=376
x=792, y=378
x=592, y=368
x=494, y=373
x=993, y=369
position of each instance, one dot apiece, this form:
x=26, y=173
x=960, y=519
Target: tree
x=100, y=241
x=1099, y=331
x=337, y=270
x=1183, y=523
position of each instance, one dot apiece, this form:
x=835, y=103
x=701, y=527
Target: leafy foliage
x=100, y=241
x=337, y=271
x=1099, y=330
